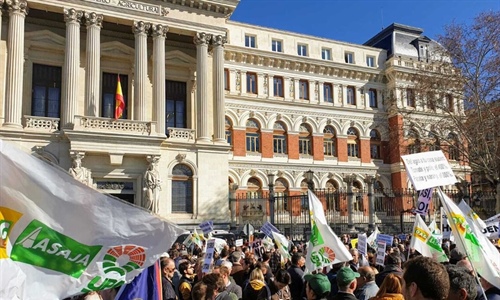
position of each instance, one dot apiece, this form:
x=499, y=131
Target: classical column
x=370, y=181
x=93, y=22
x=140, y=30
x=349, y=179
x=218, y=42
x=18, y=9
x=159, y=33
x=1, y=3
x=201, y=41
x=71, y=67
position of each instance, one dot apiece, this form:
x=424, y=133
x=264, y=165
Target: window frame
x=183, y=178
x=328, y=51
x=304, y=89
x=302, y=50
x=410, y=98
x=226, y=80
x=281, y=91
x=279, y=139
x=168, y=97
x=372, y=98
x=349, y=57
x=372, y=59
x=44, y=82
x=375, y=144
x=251, y=75
x=252, y=137
x=112, y=91
x=277, y=45
x=250, y=41
x=326, y=86
x=351, y=100
x=329, y=142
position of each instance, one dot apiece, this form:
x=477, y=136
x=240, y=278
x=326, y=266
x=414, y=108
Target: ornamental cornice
x=223, y=8
x=242, y=168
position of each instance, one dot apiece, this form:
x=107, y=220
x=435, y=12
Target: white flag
x=282, y=242
x=67, y=238
x=372, y=239
x=424, y=242
x=324, y=248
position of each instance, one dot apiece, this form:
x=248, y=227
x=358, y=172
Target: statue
x=78, y=172
x=152, y=185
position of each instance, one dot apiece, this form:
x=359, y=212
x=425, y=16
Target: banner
x=428, y=169
x=488, y=228
x=385, y=238
x=207, y=227
x=371, y=240
x=380, y=259
x=68, y=238
x=146, y=285
x=282, y=242
x=424, y=199
x=209, y=257
x=268, y=228
x=424, y=242
x=362, y=245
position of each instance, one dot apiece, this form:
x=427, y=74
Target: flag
x=434, y=228
x=424, y=242
x=324, y=248
x=119, y=101
x=197, y=238
x=465, y=208
x=482, y=259
x=69, y=238
x=372, y=239
x=282, y=243
x=146, y=285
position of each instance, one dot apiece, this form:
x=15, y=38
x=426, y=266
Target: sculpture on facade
x=152, y=185
x=78, y=172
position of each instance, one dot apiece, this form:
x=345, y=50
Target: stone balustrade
x=44, y=124
x=181, y=134
x=85, y=123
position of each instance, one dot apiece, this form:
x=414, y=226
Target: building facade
x=211, y=106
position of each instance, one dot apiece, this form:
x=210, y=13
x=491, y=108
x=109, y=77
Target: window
x=250, y=41
x=176, y=104
x=349, y=57
x=302, y=50
x=414, y=145
x=352, y=142
x=423, y=52
x=435, y=144
x=109, y=83
x=431, y=101
x=351, y=95
x=305, y=139
x=375, y=142
x=253, y=136
x=278, y=86
x=332, y=195
x=276, y=46
x=370, y=61
x=453, y=147
x=279, y=138
x=251, y=83
x=254, y=188
x=229, y=131
x=46, y=92
x=121, y=189
x=226, y=79
x=450, y=103
x=410, y=98
x=326, y=54
x=328, y=92
x=304, y=89
x=372, y=97
x=182, y=189
x=329, y=142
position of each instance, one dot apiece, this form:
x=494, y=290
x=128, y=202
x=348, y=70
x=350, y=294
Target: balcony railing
x=84, y=123
x=181, y=134
x=43, y=124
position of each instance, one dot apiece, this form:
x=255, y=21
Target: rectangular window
x=375, y=151
x=46, y=93
x=302, y=50
x=303, y=89
x=109, y=82
x=370, y=61
x=305, y=145
x=351, y=95
x=329, y=148
x=251, y=83
x=278, y=86
x=182, y=196
x=276, y=46
x=328, y=92
x=326, y=54
x=250, y=41
x=372, y=96
x=410, y=98
x=279, y=144
x=349, y=57
x=176, y=104
x=253, y=142
x=431, y=101
x=352, y=150
x=226, y=79
x=451, y=103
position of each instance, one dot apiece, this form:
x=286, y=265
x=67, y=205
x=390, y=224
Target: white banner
x=380, y=260
x=209, y=256
x=424, y=199
x=362, y=244
x=428, y=169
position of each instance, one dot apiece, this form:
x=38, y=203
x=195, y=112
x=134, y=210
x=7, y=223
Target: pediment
x=44, y=37
x=177, y=57
x=116, y=48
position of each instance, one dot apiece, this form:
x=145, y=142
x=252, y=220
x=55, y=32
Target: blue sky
x=356, y=21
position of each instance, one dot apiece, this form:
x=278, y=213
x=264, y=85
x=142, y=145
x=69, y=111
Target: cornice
x=222, y=8
x=298, y=169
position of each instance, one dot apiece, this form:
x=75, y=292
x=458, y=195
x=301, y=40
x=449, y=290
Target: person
x=167, y=266
x=491, y=291
x=465, y=263
x=200, y=291
x=231, y=287
x=80, y=173
x=317, y=286
x=391, y=288
x=215, y=283
x=152, y=186
x=256, y=288
x=347, y=283
x=354, y=263
x=367, y=288
x=186, y=282
x=296, y=275
x=392, y=265
x=462, y=283
x=456, y=256
x=425, y=278
x=279, y=287
x=237, y=272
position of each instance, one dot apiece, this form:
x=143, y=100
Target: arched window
x=375, y=142
x=229, y=132
x=329, y=141
x=281, y=193
x=378, y=188
x=279, y=138
x=182, y=189
x=254, y=188
x=453, y=147
x=332, y=195
x=352, y=142
x=305, y=136
x=413, y=139
x=253, y=136
x=434, y=143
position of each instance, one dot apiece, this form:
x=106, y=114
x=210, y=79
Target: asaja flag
x=468, y=242
x=324, y=247
x=119, y=101
x=67, y=238
x=282, y=242
x=424, y=242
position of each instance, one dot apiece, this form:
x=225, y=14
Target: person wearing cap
x=317, y=286
x=347, y=283
x=456, y=256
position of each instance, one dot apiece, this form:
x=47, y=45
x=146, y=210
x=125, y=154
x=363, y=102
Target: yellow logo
x=8, y=218
x=421, y=234
x=459, y=221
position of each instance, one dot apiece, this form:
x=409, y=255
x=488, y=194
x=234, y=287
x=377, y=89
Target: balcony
x=41, y=124
x=181, y=134
x=107, y=125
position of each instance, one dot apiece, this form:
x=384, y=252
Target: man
x=317, y=286
x=456, y=256
x=231, y=287
x=237, y=271
x=347, y=283
x=465, y=263
x=167, y=266
x=354, y=263
x=186, y=282
x=491, y=291
x=367, y=287
x=462, y=284
x=296, y=274
x=392, y=265
x=425, y=278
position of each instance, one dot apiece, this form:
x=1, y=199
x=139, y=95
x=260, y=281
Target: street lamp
x=271, y=177
x=309, y=178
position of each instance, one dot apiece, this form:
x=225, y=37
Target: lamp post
x=271, y=177
x=309, y=178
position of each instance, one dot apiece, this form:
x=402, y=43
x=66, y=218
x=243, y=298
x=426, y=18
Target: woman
x=256, y=288
x=391, y=289
x=279, y=286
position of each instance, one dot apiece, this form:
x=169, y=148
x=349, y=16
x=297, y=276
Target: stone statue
x=152, y=186
x=78, y=172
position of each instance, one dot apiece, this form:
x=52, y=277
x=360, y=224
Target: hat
x=319, y=283
x=345, y=276
x=235, y=257
x=456, y=255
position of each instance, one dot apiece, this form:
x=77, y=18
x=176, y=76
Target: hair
x=367, y=272
x=224, y=252
x=393, y=259
x=296, y=257
x=164, y=261
x=256, y=274
x=199, y=291
x=391, y=285
x=183, y=266
x=430, y=277
x=227, y=264
x=214, y=283
x=224, y=270
x=282, y=276
x=266, y=256
x=460, y=278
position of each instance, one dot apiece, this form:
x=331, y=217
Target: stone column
x=243, y=82
x=1, y=3
x=270, y=89
x=18, y=9
x=71, y=67
x=321, y=92
x=159, y=99
x=218, y=42
x=370, y=181
x=93, y=22
x=349, y=179
x=140, y=30
x=201, y=41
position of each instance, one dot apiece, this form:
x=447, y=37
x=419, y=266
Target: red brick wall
x=342, y=149
x=364, y=146
x=317, y=147
x=399, y=180
x=267, y=144
x=293, y=146
x=239, y=142
x=397, y=144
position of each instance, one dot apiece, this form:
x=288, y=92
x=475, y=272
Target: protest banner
x=238, y=242
x=209, y=257
x=380, y=260
x=385, y=238
x=268, y=229
x=258, y=249
x=425, y=243
x=207, y=227
x=424, y=199
x=362, y=244
x=428, y=170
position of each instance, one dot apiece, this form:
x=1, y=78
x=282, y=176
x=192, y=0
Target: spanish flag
x=119, y=102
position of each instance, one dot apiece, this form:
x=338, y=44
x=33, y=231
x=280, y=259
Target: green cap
x=319, y=283
x=345, y=276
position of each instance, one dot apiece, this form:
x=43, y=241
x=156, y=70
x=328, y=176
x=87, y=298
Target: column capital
x=202, y=38
x=371, y=179
x=140, y=27
x=93, y=19
x=219, y=40
x=19, y=6
x=72, y=15
x=159, y=30
x=349, y=179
